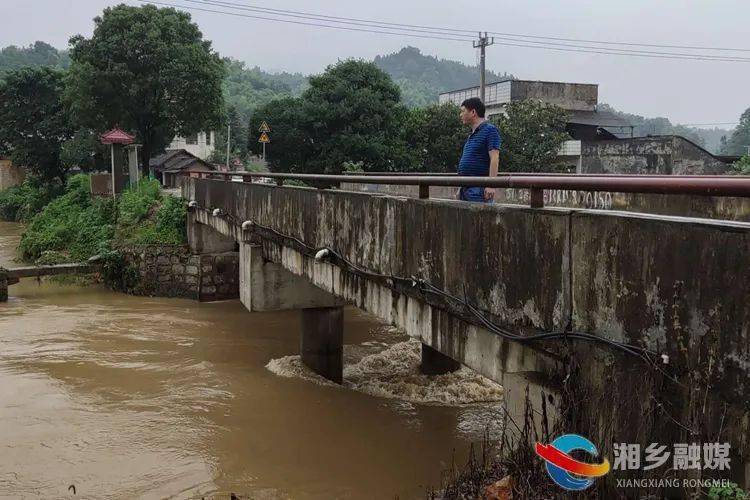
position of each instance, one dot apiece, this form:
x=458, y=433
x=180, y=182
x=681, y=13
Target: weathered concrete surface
x=322, y=341
x=670, y=283
x=267, y=286
x=710, y=207
x=203, y=239
x=11, y=276
x=669, y=154
x=682, y=288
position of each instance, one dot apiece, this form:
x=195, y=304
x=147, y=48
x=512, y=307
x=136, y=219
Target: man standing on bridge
x=481, y=156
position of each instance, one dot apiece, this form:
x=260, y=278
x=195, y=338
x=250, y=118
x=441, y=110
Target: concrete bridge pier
x=322, y=341
x=3, y=286
x=267, y=286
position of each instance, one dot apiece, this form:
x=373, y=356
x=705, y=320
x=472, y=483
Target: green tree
x=291, y=144
x=532, y=133
x=33, y=121
x=149, y=70
x=352, y=115
x=435, y=138
x=740, y=139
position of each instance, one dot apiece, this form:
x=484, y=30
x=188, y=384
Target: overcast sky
x=684, y=91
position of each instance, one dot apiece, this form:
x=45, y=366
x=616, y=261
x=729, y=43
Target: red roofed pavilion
x=117, y=136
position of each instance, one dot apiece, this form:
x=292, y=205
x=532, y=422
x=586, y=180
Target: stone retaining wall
x=172, y=271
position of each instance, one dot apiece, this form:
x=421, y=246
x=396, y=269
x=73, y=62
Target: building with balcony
x=200, y=144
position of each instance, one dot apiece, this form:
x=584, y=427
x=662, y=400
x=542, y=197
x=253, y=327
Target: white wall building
x=201, y=144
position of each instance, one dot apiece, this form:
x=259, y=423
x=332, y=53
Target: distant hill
x=248, y=88
x=421, y=78
x=37, y=54
x=710, y=139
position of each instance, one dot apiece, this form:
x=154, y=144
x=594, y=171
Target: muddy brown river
x=133, y=397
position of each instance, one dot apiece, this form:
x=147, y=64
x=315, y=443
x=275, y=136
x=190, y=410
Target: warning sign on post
x=264, y=138
x=264, y=127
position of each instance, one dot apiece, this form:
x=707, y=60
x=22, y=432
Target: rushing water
x=132, y=397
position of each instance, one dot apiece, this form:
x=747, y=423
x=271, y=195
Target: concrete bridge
x=628, y=327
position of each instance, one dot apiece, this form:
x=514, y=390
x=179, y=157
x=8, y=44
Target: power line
x=631, y=44
x=423, y=34
x=334, y=19
x=250, y=16
x=454, y=31
x=442, y=31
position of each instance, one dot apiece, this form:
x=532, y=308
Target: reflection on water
x=128, y=397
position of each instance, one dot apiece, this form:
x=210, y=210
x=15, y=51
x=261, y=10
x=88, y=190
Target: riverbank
x=69, y=224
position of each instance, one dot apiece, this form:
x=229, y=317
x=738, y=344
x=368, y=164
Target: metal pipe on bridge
x=735, y=186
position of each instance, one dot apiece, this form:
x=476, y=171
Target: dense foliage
x=76, y=225
x=742, y=166
x=738, y=142
x=33, y=121
x=21, y=203
x=532, y=133
x=349, y=114
x=145, y=69
x=434, y=137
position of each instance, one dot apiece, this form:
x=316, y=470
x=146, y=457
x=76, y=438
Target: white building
x=201, y=144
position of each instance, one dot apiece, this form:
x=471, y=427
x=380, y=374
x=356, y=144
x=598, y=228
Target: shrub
x=77, y=226
x=21, y=203
x=75, y=223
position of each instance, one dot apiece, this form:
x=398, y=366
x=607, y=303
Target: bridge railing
x=699, y=185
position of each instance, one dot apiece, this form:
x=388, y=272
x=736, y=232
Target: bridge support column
x=3, y=286
x=435, y=362
x=322, y=343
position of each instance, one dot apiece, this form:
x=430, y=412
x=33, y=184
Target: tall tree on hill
x=149, y=70
x=33, y=121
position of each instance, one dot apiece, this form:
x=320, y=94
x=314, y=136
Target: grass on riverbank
x=73, y=226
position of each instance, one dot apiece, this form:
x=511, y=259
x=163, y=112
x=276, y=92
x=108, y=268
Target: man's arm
x=489, y=193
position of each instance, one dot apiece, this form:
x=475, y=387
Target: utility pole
x=481, y=44
x=229, y=136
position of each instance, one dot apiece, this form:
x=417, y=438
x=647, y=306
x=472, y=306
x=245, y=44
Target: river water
x=132, y=397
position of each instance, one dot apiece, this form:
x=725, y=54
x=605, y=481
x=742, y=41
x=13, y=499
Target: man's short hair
x=476, y=104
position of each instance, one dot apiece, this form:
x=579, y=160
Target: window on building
x=191, y=139
x=208, y=138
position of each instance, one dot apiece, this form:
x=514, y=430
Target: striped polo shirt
x=475, y=159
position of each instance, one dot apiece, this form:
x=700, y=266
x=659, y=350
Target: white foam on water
x=394, y=373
